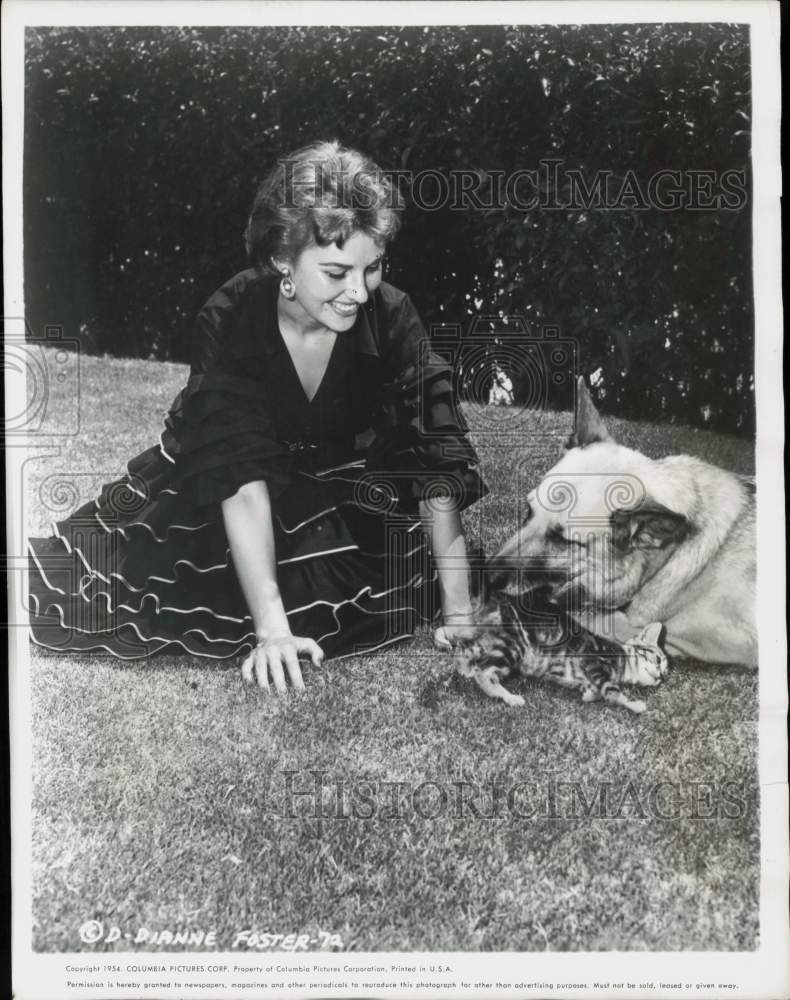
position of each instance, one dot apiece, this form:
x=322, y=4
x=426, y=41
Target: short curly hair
x=322, y=194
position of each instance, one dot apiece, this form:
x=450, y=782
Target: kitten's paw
x=488, y=681
x=623, y=701
x=590, y=695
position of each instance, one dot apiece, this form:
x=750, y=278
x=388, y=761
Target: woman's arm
x=449, y=555
x=248, y=525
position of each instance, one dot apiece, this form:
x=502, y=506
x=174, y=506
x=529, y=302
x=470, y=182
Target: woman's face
x=332, y=283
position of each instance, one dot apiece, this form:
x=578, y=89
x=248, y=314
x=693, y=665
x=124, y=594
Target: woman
x=282, y=512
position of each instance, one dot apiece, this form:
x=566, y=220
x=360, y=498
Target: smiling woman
x=304, y=496
x=334, y=285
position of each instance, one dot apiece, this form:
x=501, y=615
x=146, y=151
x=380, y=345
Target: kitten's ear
x=649, y=526
x=588, y=427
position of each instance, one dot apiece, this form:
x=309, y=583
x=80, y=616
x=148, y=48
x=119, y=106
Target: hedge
x=144, y=146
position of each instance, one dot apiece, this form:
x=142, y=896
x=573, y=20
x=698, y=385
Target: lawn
x=166, y=793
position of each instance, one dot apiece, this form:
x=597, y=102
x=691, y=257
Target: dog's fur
x=633, y=541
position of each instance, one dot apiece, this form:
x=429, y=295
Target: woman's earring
x=287, y=286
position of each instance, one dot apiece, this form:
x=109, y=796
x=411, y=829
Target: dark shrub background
x=143, y=148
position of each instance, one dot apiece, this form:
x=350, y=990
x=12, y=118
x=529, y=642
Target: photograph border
x=759, y=974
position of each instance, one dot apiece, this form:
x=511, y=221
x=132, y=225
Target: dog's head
x=602, y=521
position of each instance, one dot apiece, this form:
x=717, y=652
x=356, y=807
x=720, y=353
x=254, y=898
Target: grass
x=161, y=788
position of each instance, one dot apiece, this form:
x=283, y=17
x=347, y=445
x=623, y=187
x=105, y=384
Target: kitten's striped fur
x=544, y=647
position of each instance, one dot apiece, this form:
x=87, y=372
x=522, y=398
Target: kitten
x=510, y=645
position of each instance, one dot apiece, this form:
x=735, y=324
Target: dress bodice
x=385, y=395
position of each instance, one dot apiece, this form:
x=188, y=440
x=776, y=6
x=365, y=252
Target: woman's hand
x=456, y=626
x=449, y=557
x=248, y=524
x=275, y=655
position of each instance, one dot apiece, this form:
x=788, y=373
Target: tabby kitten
x=508, y=646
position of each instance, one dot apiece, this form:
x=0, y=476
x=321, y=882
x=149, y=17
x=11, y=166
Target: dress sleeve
x=219, y=431
x=422, y=436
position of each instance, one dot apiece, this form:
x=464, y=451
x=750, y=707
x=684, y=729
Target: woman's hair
x=320, y=194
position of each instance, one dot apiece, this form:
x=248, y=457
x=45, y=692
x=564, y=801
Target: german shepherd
x=631, y=540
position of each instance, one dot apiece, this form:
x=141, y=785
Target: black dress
x=146, y=567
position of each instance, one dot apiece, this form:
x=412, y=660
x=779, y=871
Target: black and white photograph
x=395, y=500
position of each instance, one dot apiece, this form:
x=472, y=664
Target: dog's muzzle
x=498, y=573
x=504, y=574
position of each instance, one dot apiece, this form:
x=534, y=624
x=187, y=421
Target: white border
x=763, y=973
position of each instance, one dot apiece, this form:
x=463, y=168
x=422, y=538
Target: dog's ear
x=588, y=427
x=649, y=526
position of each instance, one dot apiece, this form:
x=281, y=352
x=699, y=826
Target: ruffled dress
x=146, y=567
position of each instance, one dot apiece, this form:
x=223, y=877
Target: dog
x=630, y=540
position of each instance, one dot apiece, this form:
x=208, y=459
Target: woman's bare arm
x=449, y=555
x=248, y=525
